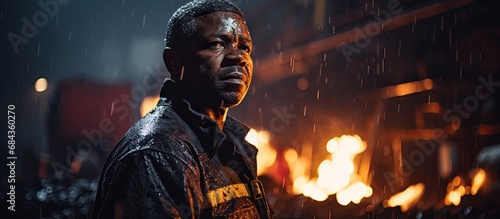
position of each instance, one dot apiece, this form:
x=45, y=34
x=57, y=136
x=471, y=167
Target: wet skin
x=218, y=72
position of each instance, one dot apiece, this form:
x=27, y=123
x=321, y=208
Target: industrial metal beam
x=276, y=66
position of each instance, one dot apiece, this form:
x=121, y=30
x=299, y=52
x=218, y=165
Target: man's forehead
x=222, y=21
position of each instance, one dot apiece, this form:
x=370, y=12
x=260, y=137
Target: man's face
x=221, y=69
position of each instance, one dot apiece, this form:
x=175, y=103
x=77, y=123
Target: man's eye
x=245, y=48
x=216, y=44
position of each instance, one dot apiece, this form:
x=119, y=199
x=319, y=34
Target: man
x=187, y=158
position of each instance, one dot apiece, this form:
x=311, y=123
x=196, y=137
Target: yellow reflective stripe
x=226, y=193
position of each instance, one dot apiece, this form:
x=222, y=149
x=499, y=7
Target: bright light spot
x=336, y=175
x=456, y=189
x=309, y=188
x=454, y=198
x=407, y=198
x=344, y=197
x=405, y=89
x=252, y=136
x=332, y=145
x=359, y=191
x=263, y=138
x=291, y=155
x=461, y=190
x=258, y=138
x=478, y=181
x=410, y=87
x=41, y=85
x=319, y=195
x=265, y=159
x=148, y=104
x=267, y=154
x=299, y=185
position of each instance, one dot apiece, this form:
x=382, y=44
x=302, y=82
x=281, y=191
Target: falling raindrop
x=442, y=22
x=383, y=65
x=182, y=73
x=399, y=48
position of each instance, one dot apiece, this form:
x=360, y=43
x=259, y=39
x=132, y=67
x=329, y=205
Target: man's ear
x=172, y=61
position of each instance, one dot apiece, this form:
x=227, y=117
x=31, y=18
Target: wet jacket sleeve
x=159, y=185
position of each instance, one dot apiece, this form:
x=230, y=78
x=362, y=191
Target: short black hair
x=181, y=26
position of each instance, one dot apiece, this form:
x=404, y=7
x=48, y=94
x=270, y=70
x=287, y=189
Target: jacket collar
x=205, y=127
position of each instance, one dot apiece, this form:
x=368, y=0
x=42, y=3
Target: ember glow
x=407, y=198
x=458, y=188
x=267, y=154
x=41, y=85
x=478, y=181
x=336, y=175
x=148, y=104
x=455, y=192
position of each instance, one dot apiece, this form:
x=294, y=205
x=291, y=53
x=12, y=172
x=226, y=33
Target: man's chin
x=231, y=99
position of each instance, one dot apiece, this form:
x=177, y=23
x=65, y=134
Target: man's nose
x=235, y=57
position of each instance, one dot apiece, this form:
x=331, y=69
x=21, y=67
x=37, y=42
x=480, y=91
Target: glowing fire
x=335, y=175
x=457, y=188
x=266, y=155
x=148, y=104
x=455, y=191
x=407, y=198
x=478, y=181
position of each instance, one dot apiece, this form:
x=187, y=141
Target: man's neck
x=218, y=115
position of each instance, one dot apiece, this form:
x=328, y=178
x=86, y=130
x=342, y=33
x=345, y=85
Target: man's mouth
x=236, y=76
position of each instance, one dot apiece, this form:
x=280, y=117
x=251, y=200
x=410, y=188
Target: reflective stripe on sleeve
x=226, y=193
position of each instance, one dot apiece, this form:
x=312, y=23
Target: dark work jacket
x=176, y=163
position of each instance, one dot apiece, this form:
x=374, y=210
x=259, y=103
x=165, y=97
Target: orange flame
x=478, y=181
x=267, y=154
x=407, y=198
x=335, y=175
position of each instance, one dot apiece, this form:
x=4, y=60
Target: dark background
x=102, y=58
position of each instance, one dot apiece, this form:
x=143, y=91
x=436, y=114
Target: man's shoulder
x=161, y=130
